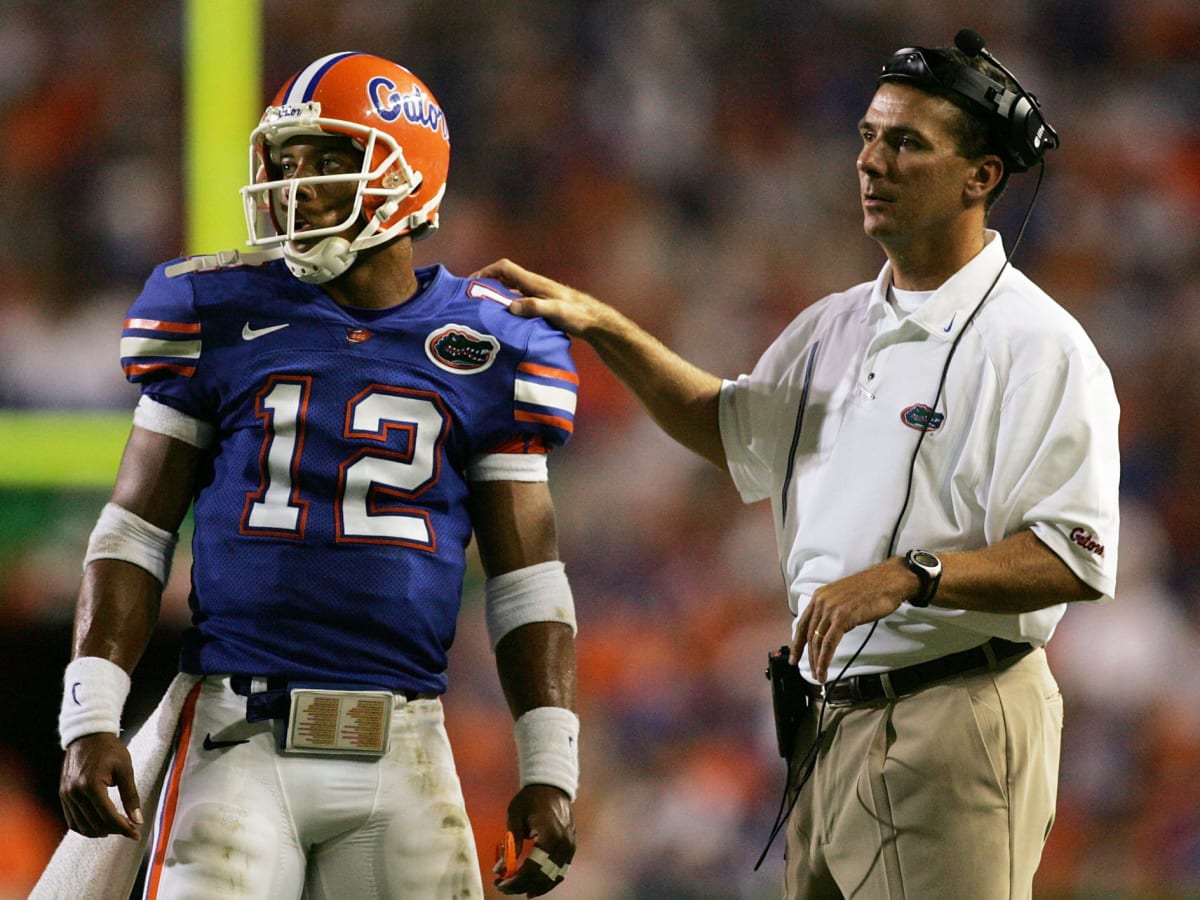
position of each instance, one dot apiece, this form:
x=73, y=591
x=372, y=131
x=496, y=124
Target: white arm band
x=548, y=748
x=537, y=593
x=162, y=419
x=120, y=534
x=94, y=692
x=508, y=467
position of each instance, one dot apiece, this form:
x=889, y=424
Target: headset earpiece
x=1016, y=114
x=1029, y=134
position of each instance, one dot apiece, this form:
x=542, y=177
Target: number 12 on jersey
x=400, y=431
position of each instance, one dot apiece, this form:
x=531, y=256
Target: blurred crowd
x=691, y=161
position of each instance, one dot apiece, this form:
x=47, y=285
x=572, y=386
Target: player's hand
x=563, y=307
x=845, y=604
x=94, y=763
x=541, y=814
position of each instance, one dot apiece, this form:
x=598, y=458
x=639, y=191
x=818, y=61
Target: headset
x=1025, y=137
x=1016, y=115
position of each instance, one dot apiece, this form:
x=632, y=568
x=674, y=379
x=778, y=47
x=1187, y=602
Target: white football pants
x=244, y=820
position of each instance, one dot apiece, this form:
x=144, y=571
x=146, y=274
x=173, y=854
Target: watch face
x=925, y=558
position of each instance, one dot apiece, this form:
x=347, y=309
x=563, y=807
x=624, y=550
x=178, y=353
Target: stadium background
x=691, y=161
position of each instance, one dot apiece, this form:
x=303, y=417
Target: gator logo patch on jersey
x=459, y=349
x=922, y=417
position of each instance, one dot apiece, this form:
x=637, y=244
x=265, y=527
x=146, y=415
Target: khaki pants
x=946, y=793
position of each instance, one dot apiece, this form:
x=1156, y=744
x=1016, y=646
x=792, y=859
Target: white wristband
x=94, y=692
x=548, y=748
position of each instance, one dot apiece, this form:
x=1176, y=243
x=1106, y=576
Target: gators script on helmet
x=392, y=118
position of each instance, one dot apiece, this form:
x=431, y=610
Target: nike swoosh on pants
x=210, y=744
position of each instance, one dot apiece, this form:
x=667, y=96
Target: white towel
x=106, y=868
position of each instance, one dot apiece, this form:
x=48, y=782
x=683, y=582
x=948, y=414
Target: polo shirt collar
x=944, y=314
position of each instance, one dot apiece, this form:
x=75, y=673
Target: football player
x=339, y=423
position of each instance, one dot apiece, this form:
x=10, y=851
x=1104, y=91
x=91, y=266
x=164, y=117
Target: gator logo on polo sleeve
x=1087, y=541
x=922, y=417
x=459, y=349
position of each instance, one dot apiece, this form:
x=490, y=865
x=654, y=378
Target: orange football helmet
x=392, y=117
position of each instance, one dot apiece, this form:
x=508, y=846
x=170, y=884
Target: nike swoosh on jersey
x=250, y=334
x=951, y=325
x=210, y=744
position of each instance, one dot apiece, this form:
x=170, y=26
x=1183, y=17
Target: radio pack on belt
x=790, y=698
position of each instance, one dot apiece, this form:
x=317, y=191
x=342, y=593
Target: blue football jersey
x=331, y=521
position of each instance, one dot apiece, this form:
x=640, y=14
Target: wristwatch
x=928, y=568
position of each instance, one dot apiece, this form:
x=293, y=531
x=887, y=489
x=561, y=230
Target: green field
x=61, y=448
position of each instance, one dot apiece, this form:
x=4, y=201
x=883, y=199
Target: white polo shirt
x=1024, y=436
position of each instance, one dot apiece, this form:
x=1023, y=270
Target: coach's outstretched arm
x=680, y=397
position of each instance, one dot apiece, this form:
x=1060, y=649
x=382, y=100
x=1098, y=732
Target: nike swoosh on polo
x=946, y=329
x=210, y=744
x=250, y=334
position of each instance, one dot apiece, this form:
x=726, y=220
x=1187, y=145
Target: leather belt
x=906, y=680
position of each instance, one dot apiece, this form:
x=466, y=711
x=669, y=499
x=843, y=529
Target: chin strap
x=327, y=260
x=332, y=256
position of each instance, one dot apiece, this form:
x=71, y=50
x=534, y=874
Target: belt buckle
x=853, y=690
x=339, y=723
x=842, y=692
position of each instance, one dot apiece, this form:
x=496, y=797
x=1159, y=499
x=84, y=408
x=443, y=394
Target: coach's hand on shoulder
x=94, y=763
x=565, y=308
x=541, y=814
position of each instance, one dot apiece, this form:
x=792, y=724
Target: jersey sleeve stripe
x=546, y=396
x=559, y=422
x=158, y=325
x=153, y=348
x=139, y=371
x=534, y=394
x=549, y=372
x=142, y=348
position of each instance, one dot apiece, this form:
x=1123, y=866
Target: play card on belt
x=339, y=723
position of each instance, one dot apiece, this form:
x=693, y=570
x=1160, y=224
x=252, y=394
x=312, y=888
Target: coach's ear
x=984, y=175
